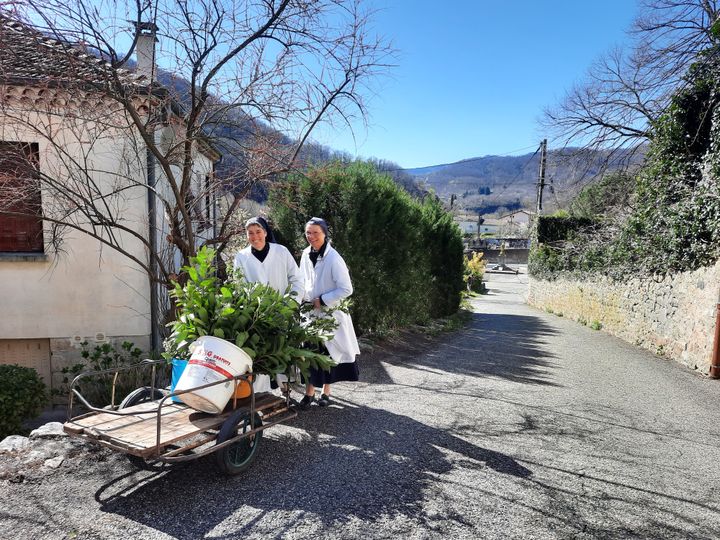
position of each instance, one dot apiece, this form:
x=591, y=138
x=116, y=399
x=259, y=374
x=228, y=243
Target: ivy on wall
x=671, y=211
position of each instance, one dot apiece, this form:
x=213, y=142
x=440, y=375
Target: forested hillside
x=488, y=182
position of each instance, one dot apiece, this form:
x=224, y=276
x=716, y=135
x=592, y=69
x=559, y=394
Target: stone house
x=469, y=225
x=515, y=224
x=59, y=284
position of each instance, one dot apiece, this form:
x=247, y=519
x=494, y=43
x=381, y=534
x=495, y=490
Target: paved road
x=523, y=425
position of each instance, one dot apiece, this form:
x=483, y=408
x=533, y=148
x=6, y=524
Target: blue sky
x=473, y=76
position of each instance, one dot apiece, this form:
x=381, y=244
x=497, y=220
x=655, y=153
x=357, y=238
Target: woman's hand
x=316, y=303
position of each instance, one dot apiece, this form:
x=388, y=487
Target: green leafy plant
x=268, y=325
x=22, y=396
x=596, y=325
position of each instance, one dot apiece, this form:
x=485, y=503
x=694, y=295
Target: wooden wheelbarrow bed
x=135, y=432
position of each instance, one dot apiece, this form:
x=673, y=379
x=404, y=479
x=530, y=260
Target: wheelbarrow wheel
x=236, y=457
x=136, y=397
x=141, y=395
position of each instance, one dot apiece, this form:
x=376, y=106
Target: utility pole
x=541, y=176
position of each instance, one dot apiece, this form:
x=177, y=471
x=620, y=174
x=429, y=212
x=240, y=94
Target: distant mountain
x=488, y=183
x=425, y=170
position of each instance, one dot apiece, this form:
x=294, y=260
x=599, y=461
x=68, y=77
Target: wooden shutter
x=32, y=353
x=20, y=194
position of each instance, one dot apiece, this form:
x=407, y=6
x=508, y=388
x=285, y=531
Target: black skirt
x=348, y=371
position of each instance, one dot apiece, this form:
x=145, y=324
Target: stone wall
x=672, y=316
x=511, y=256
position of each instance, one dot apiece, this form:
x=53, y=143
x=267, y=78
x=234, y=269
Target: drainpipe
x=145, y=55
x=152, y=231
x=715, y=362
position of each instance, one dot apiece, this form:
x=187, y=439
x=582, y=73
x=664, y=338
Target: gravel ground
x=523, y=425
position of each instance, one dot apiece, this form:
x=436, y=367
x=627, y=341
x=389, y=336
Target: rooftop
x=29, y=57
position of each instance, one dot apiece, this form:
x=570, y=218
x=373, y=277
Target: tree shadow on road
x=510, y=347
x=350, y=462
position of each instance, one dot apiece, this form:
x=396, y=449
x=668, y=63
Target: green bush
x=676, y=222
x=405, y=256
x=474, y=272
x=612, y=191
x=442, y=244
x=22, y=397
x=558, y=228
x=560, y=244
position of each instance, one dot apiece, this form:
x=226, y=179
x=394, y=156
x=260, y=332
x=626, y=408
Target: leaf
x=241, y=338
x=250, y=352
x=218, y=332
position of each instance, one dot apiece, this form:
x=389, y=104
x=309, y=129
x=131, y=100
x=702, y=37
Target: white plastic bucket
x=213, y=359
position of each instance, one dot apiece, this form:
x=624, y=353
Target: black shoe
x=305, y=402
x=324, y=400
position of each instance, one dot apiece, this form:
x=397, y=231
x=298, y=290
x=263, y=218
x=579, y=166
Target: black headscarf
x=259, y=220
x=320, y=222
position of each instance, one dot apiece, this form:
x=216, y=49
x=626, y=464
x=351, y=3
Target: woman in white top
x=263, y=261
x=327, y=282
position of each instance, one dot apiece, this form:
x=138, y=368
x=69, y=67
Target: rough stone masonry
x=673, y=316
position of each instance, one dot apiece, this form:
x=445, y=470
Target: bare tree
x=626, y=90
x=248, y=80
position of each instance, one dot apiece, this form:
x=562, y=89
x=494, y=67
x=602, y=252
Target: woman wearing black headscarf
x=327, y=283
x=264, y=261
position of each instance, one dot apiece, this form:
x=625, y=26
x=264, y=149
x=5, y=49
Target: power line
x=517, y=176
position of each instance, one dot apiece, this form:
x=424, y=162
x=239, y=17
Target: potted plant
x=268, y=325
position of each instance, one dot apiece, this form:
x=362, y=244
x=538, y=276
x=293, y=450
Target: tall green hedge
x=405, y=256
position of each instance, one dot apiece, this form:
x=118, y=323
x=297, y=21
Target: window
x=20, y=207
x=207, y=198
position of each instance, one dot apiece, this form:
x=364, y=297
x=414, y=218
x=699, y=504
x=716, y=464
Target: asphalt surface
x=523, y=425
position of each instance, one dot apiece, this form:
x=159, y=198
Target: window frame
x=31, y=225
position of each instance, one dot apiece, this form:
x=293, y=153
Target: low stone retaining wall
x=673, y=316
x=510, y=256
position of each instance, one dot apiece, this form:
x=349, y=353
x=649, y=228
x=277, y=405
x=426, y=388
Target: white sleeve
x=237, y=262
x=294, y=277
x=305, y=272
x=341, y=280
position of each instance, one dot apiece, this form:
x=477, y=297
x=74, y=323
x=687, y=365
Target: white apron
x=330, y=279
